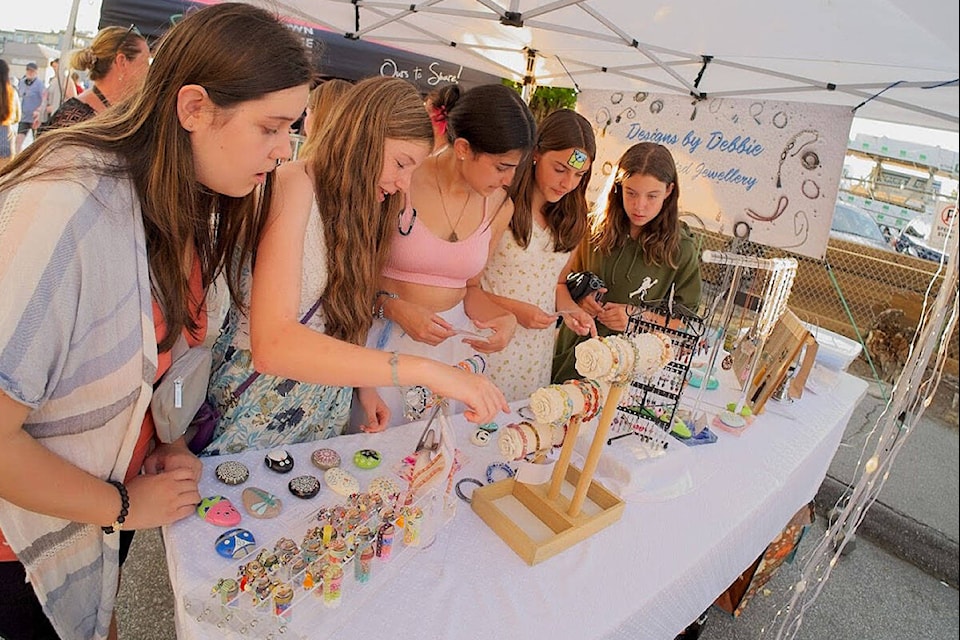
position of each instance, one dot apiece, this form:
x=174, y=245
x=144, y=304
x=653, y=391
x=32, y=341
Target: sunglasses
x=134, y=30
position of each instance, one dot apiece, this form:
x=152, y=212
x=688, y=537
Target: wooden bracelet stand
x=540, y=521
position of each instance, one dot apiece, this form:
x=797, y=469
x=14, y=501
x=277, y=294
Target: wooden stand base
x=537, y=528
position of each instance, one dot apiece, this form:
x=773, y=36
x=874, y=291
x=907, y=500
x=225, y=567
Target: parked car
x=855, y=225
x=914, y=241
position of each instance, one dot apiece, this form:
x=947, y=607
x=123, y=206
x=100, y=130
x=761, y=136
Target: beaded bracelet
x=378, y=306
x=567, y=401
x=614, y=355
x=523, y=438
x=124, y=506
x=503, y=466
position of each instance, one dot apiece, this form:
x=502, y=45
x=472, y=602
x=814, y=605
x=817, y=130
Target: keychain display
x=338, y=552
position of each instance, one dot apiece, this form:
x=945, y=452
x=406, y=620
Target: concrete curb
x=899, y=534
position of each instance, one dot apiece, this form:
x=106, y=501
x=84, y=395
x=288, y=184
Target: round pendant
x=279, y=460
x=261, y=504
x=304, y=486
x=232, y=472
x=325, y=459
x=367, y=459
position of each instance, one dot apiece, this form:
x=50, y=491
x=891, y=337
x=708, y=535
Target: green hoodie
x=624, y=271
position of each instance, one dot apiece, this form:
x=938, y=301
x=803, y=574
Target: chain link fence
x=847, y=291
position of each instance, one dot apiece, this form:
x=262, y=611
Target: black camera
x=582, y=283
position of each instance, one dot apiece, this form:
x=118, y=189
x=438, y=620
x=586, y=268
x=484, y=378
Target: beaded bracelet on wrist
x=124, y=508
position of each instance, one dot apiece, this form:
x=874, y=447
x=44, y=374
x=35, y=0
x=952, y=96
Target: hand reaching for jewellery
x=614, y=316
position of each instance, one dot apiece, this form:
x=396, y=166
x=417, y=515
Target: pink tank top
x=421, y=257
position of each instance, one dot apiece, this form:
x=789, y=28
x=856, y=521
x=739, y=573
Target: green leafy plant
x=547, y=99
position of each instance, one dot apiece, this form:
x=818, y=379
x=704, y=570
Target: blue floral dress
x=273, y=411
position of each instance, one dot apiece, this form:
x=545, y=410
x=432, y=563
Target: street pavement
x=899, y=582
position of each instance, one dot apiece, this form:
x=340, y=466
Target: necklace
x=453, y=237
x=99, y=94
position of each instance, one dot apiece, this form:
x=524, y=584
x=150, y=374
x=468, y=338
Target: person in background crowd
x=9, y=114
x=73, y=86
x=113, y=230
x=323, y=99
x=438, y=103
x=458, y=210
x=117, y=61
x=549, y=222
x=30, y=90
x=53, y=97
x=637, y=246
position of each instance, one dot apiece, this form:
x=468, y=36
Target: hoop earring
x=400, y=229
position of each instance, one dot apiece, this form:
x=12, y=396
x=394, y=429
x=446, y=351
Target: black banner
x=334, y=55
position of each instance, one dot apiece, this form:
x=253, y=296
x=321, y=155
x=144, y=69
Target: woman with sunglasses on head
x=114, y=228
x=117, y=61
x=458, y=209
x=309, y=304
x=637, y=246
x=549, y=221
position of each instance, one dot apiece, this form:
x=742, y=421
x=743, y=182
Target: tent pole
x=66, y=40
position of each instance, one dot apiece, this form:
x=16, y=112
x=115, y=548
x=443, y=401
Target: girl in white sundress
x=525, y=274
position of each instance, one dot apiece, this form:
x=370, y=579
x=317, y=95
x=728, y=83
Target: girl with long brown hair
x=430, y=301
x=315, y=278
x=549, y=221
x=113, y=229
x=637, y=245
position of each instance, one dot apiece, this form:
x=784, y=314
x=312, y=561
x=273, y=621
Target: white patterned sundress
x=274, y=411
x=529, y=275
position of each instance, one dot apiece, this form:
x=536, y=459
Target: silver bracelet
x=394, y=375
x=378, y=306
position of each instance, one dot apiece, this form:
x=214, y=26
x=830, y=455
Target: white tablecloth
x=646, y=576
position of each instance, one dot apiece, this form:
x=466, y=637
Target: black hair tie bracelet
x=459, y=491
x=124, y=506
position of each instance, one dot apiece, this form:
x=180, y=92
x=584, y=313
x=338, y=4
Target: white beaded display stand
x=540, y=521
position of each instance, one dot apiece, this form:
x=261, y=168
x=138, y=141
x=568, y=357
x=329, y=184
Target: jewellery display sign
x=772, y=165
x=780, y=351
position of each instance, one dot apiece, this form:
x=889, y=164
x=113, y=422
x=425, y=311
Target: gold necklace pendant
x=453, y=237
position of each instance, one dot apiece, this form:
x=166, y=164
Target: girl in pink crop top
x=420, y=257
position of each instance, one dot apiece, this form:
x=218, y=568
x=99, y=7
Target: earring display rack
x=650, y=404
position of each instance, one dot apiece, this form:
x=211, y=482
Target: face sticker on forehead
x=577, y=159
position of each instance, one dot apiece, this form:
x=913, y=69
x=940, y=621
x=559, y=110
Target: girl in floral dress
x=549, y=221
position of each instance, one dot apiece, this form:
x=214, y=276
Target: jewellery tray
x=537, y=528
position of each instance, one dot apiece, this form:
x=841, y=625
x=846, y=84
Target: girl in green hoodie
x=637, y=246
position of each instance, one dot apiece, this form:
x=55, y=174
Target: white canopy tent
x=892, y=60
